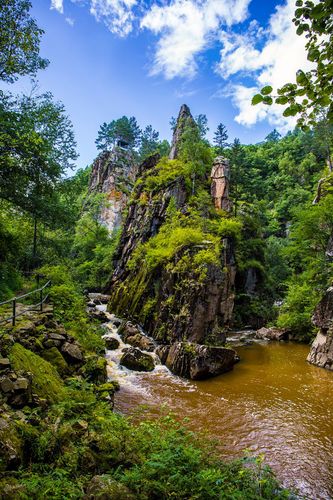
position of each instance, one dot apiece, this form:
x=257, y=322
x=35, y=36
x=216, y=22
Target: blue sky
x=110, y=58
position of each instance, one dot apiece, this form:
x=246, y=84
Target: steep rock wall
x=113, y=173
x=172, y=302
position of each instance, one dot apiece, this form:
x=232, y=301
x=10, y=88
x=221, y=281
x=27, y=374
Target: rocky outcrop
x=220, y=177
x=272, y=333
x=113, y=174
x=321, y=353
x=196, y=361
x=134, y=359
x=172, y=303
x=184, y=120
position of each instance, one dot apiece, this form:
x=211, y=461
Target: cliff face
x=113, y=173
x=321, y=353
x=173, y=277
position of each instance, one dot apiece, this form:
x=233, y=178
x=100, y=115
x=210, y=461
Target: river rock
x=98, y=298
x=4, y=364
x=111, y=343
x=132, y=335
x=134, y=359
x=272, y=333
x=199, y=362
x=321, y=352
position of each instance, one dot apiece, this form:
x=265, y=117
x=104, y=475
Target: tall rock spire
x=184, y=119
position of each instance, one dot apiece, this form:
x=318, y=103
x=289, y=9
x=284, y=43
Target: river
x=273, y=402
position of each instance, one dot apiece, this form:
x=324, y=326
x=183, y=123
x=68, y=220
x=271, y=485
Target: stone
x=162, y=352
x=199, y=362
x=98, y=298
x=57, y=336
x=95, y=369
x=220, y=176
x=111, y=343
x=184, y=120
x=4, y=364
x=323, y=314
x=97, y=314
x=321, y=353
x=142, y=342
x=272, y=333
x=6, y=385
x=106, y=488
x=11, y=448
x=72, y=353
x=21, y=384
x=113, y=173
x=134, y=359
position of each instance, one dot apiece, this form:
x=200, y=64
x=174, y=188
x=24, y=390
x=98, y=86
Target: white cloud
x=187, y=27
x=274, y=63
x=70, y=21
x=57, y=5
x=116, y=14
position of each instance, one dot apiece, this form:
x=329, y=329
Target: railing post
x=14, y=311
x=41, y=300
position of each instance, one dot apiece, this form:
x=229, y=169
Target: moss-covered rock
x=105, y=488
x=94, y=370
x=46, y=382
x=11, y=449
x=134, y=359
x=56, y=359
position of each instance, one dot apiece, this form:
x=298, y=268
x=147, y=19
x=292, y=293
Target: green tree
x=36, y=147
x=149, y=142
x=124, y=130
x=19, y=41
x=202, y=122
x=313, y=89
x=221, y=137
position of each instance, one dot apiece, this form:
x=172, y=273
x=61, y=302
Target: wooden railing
x=15, y=300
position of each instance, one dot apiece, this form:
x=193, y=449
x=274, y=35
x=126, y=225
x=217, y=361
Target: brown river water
x=273, y=402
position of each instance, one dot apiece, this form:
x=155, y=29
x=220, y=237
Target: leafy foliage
x=19, y=41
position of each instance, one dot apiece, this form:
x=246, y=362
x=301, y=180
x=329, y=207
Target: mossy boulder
x=134, y=359
x=56, y=359
x=111, y=343
x=11, y=450
x=46, y=382
x=94, y=370
x=105, y=487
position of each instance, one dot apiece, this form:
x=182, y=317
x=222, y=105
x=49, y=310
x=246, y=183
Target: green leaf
x=267, y=90
x=267, y=100
x=301, y=78
x=256, y=99
x=281, y=100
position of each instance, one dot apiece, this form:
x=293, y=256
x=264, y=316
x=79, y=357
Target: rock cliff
x=321, y=353
x=113, y=173
x=173, y=274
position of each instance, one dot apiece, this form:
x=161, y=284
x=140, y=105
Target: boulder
x=97, y=314
x=199, y=362
x=142, y=342
x=111, y=343
x=134, y=359
x=98, y=298
x=272, y=333
x=72, y=353
x=128, y=329
x=321, y=353
x=105, y=488
x=11, y=450
x=94, y=370
x=16, y=388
